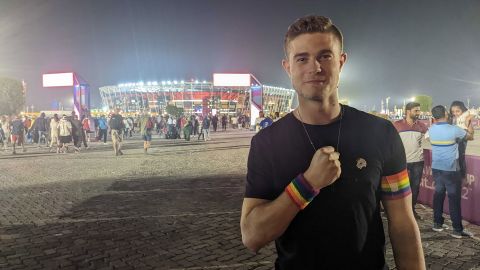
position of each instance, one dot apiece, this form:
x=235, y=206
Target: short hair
x=311, y=24
x=411, y=105
x=438, y=112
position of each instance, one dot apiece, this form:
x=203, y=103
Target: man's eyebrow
x=302, y=54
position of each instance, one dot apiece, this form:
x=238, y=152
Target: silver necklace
x=339, y=130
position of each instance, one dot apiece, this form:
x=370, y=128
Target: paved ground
x=176, y=208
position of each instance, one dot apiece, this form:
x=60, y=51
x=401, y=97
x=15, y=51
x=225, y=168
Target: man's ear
x=286, y=67
x=343, y=60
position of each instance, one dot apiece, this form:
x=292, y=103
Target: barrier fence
x=470, y=188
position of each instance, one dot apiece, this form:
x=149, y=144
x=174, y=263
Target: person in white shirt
x=461, y=117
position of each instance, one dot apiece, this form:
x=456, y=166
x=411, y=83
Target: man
x=224, y=122
x=17, y=133
x=446, y=170
x=65, y=132
x=5, y=126
x=342, y=162
x=27, y=123
x=205, y=132
x=116, y=127
x=215, y=123
x=412, y=132
x=266, y=122
x=102, y=129
x=40, y=127
x=258, y=120
x=146, y=127
x=77, y=133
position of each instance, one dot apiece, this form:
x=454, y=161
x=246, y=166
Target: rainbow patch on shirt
x=396, y=186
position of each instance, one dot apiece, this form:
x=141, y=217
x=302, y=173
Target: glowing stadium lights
x=196, y=81
x=169, y=82
x=204, y=81
x=182, y=81
x=163, y=83
x=175, y=82
x=155, y=83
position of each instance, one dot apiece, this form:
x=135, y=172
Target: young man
x=205, y=131
x=412, y=133
x=17, y=133
x=102, y=129
x=446, y=170
x=342, y=162
x=65, y=133
x=41, y=127
x=116, y=126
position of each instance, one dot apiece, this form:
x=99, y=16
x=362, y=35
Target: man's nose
x=316, y=66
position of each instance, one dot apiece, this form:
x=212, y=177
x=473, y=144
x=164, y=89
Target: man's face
x=414, y=113
x=314, y=63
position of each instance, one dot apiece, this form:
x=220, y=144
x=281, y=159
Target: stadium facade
x=194, y=97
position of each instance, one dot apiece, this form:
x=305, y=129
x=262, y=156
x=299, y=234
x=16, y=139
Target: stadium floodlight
x=140, y=83
x=155, y=83
x=175, y=82
x=182, y=81
x=163, y=83
x=149, y=83
x=196, y=81
x=204, y=81
x=120, y=85
x=169, y=82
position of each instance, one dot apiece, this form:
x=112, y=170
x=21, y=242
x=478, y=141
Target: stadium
x=228, y=94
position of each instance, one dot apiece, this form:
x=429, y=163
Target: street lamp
x=386, y=101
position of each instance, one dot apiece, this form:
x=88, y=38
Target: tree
x=174, y=110
x=425, y=102
x=12, y=98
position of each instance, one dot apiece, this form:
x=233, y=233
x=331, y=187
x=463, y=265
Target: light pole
x=386, y=101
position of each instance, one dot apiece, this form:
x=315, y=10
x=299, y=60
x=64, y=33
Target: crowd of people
x=448, y=136
x=64, y=133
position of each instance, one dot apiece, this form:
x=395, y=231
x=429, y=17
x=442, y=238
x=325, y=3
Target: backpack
x=149, y=124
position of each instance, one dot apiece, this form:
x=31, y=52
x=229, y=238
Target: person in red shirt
x=412, y=133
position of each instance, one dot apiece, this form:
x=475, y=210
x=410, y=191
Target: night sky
x=395, y=49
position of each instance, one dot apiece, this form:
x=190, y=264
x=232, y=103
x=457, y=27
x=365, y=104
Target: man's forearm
x=407, y=246
x=268, y=221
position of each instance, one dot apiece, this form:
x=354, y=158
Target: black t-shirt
x=342, y=227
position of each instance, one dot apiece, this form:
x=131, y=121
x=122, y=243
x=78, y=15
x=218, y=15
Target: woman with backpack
x=146, y=127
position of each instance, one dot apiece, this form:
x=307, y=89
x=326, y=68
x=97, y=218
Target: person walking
x=102, y=129
x=17, y=134
x=55, y=132
x=146, y=128
x=65, y=133
x=116, y=127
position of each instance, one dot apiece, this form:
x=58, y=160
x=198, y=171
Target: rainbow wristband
x=300, y=191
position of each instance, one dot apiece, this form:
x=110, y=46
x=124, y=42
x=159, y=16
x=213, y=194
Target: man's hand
x=324, y=168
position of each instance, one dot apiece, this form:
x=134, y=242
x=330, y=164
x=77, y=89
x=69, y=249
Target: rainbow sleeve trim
x=396, y=186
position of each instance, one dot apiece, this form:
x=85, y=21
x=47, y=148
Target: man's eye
x=326, y=57
x=301, y=59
